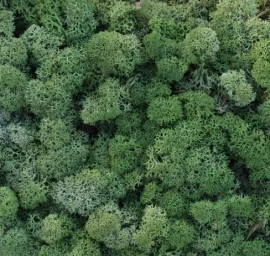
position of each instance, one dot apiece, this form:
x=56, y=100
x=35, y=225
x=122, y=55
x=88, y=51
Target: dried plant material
x=138, y=5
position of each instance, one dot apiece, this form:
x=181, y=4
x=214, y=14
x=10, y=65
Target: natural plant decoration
x=134, y=128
